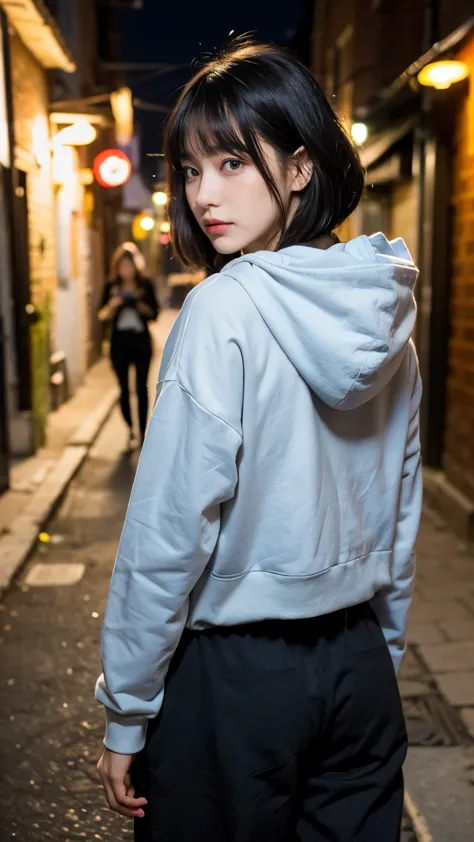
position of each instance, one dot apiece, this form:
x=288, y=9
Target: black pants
x=277, y=732
x=131, y=348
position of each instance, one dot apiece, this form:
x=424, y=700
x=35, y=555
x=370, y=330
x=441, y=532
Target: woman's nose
x=208, y=193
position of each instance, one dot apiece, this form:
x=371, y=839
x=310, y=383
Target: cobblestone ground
x=50, y=724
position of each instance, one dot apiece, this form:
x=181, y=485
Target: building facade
x=31, y=46
x=56, y=222
x=419, y=158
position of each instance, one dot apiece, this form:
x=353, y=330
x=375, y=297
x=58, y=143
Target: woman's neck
x=325, y=241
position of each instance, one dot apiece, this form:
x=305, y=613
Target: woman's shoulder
x=219, y=303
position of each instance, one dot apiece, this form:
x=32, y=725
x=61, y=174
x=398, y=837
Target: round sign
x=112, y=168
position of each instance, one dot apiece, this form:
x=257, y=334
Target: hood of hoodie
x=343, y=316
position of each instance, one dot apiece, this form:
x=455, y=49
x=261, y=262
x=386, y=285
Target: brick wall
x=459, y=441
x=32, y=154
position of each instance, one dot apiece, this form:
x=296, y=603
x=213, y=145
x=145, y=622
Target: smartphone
x=129, y=297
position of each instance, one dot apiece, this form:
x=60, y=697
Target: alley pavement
x=50, y=624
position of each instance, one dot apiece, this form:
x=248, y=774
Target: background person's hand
x=114, y=770
x=144, y=309
x=115, y=302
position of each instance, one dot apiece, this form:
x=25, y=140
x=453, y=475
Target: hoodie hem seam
x=304, y=577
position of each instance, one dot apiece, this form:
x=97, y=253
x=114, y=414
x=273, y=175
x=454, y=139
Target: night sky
x=183, y=31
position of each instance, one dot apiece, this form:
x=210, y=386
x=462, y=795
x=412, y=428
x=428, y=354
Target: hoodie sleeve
x=391, y=606
x=188, y=467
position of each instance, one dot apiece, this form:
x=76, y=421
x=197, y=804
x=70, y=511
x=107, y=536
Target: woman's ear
x=302, y=169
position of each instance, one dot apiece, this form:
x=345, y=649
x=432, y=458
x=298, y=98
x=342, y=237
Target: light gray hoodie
x=280, y=476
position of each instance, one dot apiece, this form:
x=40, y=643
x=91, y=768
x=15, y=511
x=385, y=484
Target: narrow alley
x=296, y=180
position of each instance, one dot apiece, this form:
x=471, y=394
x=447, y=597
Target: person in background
x=129, y=303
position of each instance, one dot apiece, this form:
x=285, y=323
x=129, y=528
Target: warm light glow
x=89, y=203
x=443, y=74
x=80, y=133
x=165, y=227
x=147, y=223
x=86, y=176
x=359, y=132
x=122, y=109
x=40, y=137
x=64, y=165
x=160, y=198
x=112, y=168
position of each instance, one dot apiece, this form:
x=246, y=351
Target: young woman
x=256, y=615
x=129, y=302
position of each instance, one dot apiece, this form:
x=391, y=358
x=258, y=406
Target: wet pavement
x=51, y=726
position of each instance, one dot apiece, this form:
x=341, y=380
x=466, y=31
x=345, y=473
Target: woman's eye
x=232, y=165
x=190, y=172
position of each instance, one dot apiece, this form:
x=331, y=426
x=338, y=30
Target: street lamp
x=147, y=223
x=80, y=133
x=359, y=132
x=443, y=74
x=160, y=198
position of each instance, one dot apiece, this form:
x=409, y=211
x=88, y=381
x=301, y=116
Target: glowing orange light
x=443, y=74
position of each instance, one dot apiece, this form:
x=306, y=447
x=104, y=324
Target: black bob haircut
x=258, y=91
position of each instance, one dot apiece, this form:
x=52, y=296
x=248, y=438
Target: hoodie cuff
x=124, y=734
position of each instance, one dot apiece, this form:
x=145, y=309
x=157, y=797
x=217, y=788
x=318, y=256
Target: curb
x=420, y=827
x=20, y=541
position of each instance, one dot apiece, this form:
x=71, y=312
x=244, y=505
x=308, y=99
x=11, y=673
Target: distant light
x=160, y=198
x=86, y=176
x=165, y=227
x=164, y=239
x=147, y=223
x=112, y=168
x=80, y=133
x=122, y=108
x=443, y=74
x=359, y=132
x=64, y=165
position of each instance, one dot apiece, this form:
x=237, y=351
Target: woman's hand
x=144, y=309
x=115, y=302
x=114, y=770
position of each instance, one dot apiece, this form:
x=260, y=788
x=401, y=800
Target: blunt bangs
x=205, y=126
x=260, y=92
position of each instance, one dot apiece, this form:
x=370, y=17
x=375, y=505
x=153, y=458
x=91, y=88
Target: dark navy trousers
x=281, y=731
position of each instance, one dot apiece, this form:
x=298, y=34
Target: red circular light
x=112, y=168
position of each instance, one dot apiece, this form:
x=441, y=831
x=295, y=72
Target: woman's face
x=232, y=203
x=126, y=270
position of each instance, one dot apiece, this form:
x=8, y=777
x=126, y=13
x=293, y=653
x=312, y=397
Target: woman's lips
x=218, y=227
